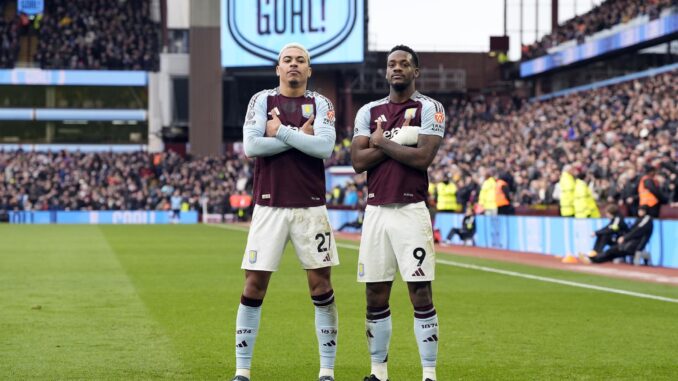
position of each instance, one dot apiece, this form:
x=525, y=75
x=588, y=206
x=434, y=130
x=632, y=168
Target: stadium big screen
x=252, y=32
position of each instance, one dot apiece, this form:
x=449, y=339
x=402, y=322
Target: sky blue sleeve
x=254, y=142
x=362, y=122
x=321, y=143
x=432, y=118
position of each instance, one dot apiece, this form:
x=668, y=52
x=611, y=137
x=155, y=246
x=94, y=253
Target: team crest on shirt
x=439, y=117
x=306, y=110
x=252, y=256
x=361, y=269
x=410, y=113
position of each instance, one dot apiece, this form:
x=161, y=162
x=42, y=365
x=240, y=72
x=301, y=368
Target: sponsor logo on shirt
x=266, y=196
x=408, y=195
x=370, y=195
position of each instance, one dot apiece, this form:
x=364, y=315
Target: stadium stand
x=605, y=16
x=98, y=34
x=9, y=36
x=610, y=132
x=117, y=181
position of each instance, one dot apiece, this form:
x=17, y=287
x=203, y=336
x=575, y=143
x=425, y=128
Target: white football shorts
x=308, y=229
x=397, y=237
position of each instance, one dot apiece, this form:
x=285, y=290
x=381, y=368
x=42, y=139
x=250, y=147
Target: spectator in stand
x=99, y=34
x=117, y=181
x=599, y=128
x=604, y=16
x=9, y=39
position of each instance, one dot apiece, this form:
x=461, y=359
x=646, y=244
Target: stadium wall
x=557, y=236
x=100, y=217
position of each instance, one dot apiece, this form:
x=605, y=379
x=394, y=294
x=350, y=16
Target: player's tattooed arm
x=254, y=130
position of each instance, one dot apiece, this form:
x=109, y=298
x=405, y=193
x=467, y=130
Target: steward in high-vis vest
x=447, y=196
x=488, y=196
x=584, y=204
x=502, y=192
x=649, y=193
x=567, y=192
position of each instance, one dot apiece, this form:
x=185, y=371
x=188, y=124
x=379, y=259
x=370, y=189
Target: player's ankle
x=429, y=373
x=243, y=372
x=380, y=370
x=326, y=372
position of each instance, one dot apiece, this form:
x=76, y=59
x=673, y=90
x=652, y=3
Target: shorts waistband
x=413, y=205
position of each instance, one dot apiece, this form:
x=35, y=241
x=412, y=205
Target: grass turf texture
x=159, y=302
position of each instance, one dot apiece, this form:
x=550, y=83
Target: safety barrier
x=557, y=235
x=101, y=217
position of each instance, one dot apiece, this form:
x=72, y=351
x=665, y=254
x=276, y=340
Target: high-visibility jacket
x=566, y=194
x=646, y=197
x=584, y=204
x=594, y=212
x=488, y=194
x=432, y=194
x=447, y=197
x=501, y=197
x=581, y=207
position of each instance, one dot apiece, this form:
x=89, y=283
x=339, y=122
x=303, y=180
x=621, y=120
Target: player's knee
x=420, y=293
x=255, y=286
x=377, y=294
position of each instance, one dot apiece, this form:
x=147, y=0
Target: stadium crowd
x=98, y=34
x=118, y=181
x=609, y=135
x=9, y=38
x=604, y=16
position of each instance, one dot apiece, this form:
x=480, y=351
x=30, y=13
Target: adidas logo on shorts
x=328, y=258
x=419, y=272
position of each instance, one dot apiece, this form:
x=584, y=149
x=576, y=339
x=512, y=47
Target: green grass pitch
x=159, y=302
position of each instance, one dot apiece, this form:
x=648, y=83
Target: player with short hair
x=289, y=130
x=397, y=233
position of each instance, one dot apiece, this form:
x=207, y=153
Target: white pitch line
x=558, y=281
x=541, y=278
x=515, y=274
